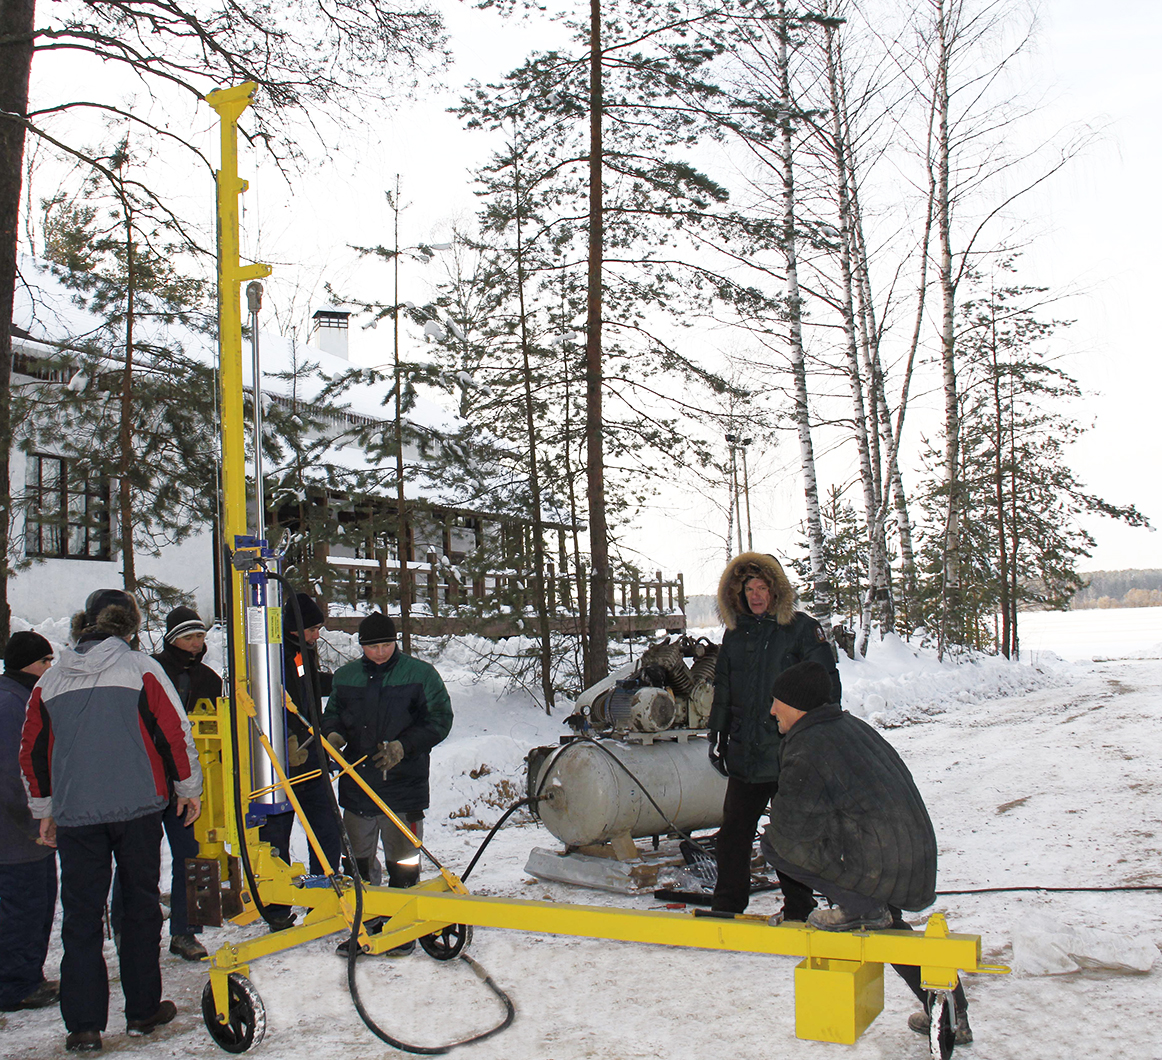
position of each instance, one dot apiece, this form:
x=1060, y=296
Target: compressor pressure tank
x=593, y=800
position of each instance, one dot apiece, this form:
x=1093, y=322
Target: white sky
x=1095, y=227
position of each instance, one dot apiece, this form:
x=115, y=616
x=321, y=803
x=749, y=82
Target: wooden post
x=659, y=596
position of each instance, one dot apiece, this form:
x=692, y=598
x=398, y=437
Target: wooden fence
x=499, y=603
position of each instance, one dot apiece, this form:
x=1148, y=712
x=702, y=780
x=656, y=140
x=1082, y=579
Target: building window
x=68, y=510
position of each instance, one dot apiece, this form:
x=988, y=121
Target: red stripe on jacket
x=36, y=747
x=169, y=725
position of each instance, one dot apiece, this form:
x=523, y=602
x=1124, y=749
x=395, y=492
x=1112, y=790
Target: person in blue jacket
x=28, y=879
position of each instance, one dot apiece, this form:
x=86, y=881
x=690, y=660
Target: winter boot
x=962, y=1032
x=839, y=919
x=83, y=1042
x=165, y=1012
x=188, y=948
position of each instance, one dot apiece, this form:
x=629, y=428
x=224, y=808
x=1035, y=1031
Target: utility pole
x=746, y=494
x=402, y=535
x=733, y=443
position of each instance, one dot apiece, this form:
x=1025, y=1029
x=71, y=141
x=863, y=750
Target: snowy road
x=1057, y=787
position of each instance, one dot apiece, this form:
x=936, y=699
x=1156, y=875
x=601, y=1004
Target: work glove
x=717, y=751
x=336, y=740
x=295, y=754
x=388, y=756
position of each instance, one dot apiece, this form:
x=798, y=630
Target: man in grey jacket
x=104, y=739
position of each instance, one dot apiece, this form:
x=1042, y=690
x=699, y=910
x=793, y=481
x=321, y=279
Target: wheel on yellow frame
x=247, y=1015
x=447, y=943
x=941, y=1031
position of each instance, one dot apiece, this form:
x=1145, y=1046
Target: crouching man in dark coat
x=848, y=821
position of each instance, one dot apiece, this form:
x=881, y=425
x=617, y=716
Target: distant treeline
x=1121, y=588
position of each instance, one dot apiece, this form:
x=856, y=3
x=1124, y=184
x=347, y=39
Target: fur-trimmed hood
x=113, y=621
x=732, y=602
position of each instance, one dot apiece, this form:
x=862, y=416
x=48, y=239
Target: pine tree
x=139, y=409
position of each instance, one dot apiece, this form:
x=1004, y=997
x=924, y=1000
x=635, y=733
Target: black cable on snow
x=527, y=801
x=1058, y=890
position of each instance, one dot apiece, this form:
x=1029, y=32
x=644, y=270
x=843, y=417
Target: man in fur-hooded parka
x=764, y=636
x=755, y=650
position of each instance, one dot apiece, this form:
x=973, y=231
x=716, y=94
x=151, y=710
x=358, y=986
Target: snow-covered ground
x=1044, y=773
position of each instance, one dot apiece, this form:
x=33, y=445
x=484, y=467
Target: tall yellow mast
x=229, y=103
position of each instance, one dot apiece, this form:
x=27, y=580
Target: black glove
x=717, y=751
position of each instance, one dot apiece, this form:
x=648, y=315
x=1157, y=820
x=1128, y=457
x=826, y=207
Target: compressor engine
x=660, y=693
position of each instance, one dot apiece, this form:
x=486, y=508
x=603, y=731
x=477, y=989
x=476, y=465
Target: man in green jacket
x=764, y=636
x=393, y=709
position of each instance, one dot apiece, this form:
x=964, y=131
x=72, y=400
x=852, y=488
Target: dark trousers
x=741, y=809
x=861, y=905
x=27, y=903
x=316, y=804
x=86, y=854
x=182, y=844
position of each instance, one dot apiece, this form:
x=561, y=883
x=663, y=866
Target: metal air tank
x=592, y=799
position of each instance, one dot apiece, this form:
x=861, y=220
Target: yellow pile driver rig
x=241, y=742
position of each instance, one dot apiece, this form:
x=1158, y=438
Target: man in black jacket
x=181, y=656
x=302, y=672
x=848, y=821
x=764, y=635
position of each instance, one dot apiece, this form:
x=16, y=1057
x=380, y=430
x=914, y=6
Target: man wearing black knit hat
x=28, y=879
x=389, y=709
x=849, y=821
x=181, y=656
x=303, y=677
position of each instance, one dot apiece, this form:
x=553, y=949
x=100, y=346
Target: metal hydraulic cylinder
x=264, y=660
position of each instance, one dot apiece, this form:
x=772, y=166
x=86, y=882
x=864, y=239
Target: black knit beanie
x=804, y=686
x=376, y=628
x=181, y=622
x=23, y=649
x=312, y=613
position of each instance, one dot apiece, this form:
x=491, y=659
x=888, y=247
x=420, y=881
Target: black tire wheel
x=941, y=1032
x=447, y=943
x=247, y=1022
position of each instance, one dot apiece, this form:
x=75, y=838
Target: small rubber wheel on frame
x=247, y=1022
x=447, y=943
x=941, y=1032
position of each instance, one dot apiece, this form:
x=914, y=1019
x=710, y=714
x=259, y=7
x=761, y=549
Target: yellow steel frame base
x=838, y=984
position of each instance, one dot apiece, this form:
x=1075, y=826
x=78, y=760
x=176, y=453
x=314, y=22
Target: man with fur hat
x=764, y=636
x=28, y=880
x=393, y=709
x=302, y=674
x=104, y=738
x=848, y=821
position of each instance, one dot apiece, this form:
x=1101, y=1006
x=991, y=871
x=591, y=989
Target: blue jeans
x=27, y=903
x=87, y=854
